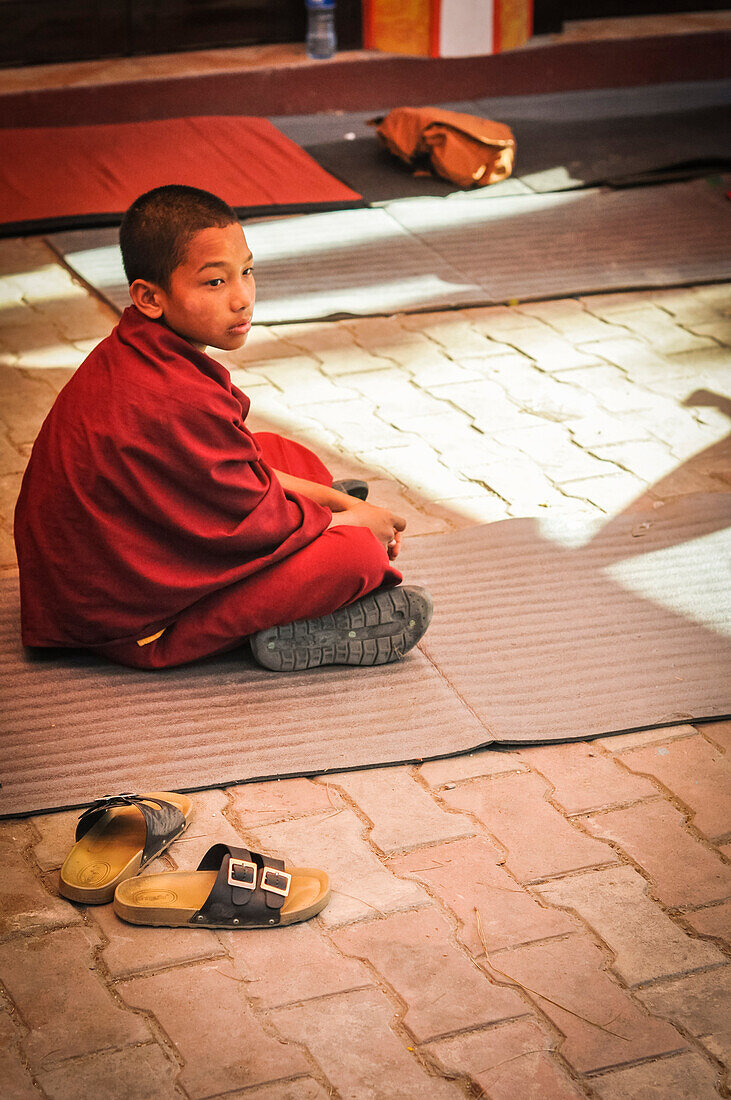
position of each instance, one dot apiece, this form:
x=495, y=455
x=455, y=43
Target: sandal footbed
x=171, y=899
x=111, y=852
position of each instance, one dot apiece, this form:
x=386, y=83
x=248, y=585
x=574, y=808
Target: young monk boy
x=154, y=528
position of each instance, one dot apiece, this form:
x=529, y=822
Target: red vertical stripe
x=435, y=24
x=368, y=35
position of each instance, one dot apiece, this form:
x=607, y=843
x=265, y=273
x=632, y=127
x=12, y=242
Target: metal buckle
x=249, y=881
x=271, y=887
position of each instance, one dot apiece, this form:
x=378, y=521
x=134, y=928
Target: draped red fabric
x=145, y=492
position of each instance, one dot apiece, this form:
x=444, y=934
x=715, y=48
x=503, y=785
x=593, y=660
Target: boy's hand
x=384, y=523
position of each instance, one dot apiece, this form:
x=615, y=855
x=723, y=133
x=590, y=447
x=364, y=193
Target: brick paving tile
x=551, y=446
x=87, y=319
x=485, y=402
x=263, y=343
x=698, y=1003
x=713, y=921
x=683, y=872
x=451, y=329
x=658, y=329
x=686, y=305
x=706, y=369
x=302, y=383
x=682, y=1077
x=134, y=949
x=11, y=461
x=335, y=840
x=697, y=773
x=453, y=436
x=57, y=378
x=282, y=965
x=648, y=460
x=8, y=559
x=467, y=875
x=17, y=1083
x=298, y=1088
x=719, y=330
x=56, y=837
x=612, y=390
x=549, y=350
x=403, y=814
x=279, y=800
x=508, y=1062
x=615, y=301
x=137, y=1073
x=428, y=372
x=611, y=493
x=620, y=743
x=442, y=989
x=24, y=404
x=467, y=511
x=25, y=905
x=487, y=761
x=539, y=841
x=493, y=321
x=571, y=972
x=584, y=779
x=203, y=1013
x=351, y=1039
x=570, y=318
x=718, y=733
x=683, y=481
x=646, y=943
x=418, y=467
x=53, y=983
x=600, y=427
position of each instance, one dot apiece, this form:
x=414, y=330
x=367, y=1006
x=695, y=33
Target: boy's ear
x=147, y=297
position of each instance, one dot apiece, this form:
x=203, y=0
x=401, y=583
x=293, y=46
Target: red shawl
x=144, y=492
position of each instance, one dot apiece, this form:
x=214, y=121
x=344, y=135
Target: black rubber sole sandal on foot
x=375, y=630
x=232, y=888
x=116, y=837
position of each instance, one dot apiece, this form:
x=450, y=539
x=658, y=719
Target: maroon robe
x=145, y=493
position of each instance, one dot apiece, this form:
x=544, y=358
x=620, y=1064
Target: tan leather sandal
x=116, y=837
x=232, y=888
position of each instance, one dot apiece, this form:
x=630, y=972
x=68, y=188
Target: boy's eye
x=248, y=271
x=214, y=282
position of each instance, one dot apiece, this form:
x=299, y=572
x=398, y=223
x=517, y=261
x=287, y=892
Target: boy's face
x=212, y=292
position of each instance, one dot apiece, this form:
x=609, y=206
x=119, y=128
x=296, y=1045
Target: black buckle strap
x=250, y=889
x=163, y=820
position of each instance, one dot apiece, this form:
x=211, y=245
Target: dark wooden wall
x=39, y=31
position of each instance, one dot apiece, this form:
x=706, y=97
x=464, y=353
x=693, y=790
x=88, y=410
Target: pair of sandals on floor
x=117, y=837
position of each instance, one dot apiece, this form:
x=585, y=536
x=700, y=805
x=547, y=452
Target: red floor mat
x=83, y=175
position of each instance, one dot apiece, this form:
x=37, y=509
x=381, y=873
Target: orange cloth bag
x=469, y=151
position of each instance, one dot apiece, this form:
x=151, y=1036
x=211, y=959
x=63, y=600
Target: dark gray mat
x=537, y=636
x=564, y=140
x=469, y=249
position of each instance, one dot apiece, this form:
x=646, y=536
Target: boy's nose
x=242, y=295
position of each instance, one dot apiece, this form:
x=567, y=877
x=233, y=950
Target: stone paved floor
x=547, y=923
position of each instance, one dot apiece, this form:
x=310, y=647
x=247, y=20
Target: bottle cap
x=320, y=5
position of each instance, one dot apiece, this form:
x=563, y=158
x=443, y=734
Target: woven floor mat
x=538, y=635
x=564, y=140
x=465, y=250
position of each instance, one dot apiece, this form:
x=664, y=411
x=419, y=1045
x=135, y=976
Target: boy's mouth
x=241, y=328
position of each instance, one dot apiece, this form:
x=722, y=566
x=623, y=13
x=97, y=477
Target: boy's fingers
x=399, y=522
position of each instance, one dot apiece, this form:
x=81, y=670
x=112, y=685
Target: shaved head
x=158, y=227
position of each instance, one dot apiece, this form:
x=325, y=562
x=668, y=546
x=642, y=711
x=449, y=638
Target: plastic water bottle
x=321, y=42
